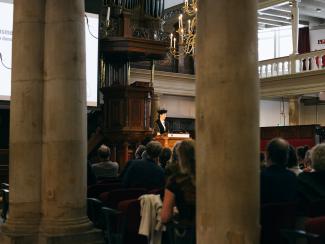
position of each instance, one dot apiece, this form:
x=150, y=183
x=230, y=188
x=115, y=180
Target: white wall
x=271, y=113
x=184, y=107
x=312, y=114
x=178, y=106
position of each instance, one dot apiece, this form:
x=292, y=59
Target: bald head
x=277, y=151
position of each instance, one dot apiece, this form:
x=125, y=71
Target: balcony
x=293, y=75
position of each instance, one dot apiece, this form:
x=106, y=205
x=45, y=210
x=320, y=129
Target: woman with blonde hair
x=180, y=190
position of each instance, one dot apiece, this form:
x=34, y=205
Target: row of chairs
x=278, y=221
x=117, y=213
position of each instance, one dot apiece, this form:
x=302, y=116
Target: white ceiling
x=311, y=12
x=277, y=12
x=170, y=3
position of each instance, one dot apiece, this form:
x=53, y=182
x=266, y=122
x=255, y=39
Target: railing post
x=292, y=64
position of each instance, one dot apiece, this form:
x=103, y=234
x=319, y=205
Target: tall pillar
x=294, y=110
x=295, y=32
x=227, y=103
x=64, y=133
x=295, y=25
x=26, y=123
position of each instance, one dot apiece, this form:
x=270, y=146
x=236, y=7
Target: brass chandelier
x=182, y=42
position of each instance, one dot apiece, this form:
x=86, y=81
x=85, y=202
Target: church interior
x=162, y=121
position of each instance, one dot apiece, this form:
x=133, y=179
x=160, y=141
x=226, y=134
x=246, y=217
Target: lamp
x=183, y=41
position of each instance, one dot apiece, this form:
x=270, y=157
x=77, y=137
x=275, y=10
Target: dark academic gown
x=161, y=128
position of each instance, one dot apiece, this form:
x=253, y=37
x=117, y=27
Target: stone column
x=64, y=134
x=295, y=25
x=26, y=123
x=295, y=32
x=294, y=110
x=227, y=123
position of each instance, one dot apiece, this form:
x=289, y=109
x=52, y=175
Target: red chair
x=314, y=232
x=112, y=198
x=95, y=190
x=108, y=180
x=274, y=217
x=316, y=225
x=131, y=214
x=160, y=191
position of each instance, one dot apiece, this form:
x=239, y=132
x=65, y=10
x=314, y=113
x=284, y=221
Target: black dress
x=161, y=129
x=184, y=191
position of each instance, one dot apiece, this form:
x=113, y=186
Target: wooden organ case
x=133, y=34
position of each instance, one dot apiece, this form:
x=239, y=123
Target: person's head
x=165, y=156
x=277, y=152
x=104, y=152
x=292, y=159
x=138, y=152
x=186, y=154
x=147, y=139
x=318, y=157
x=174, y=154
x=307, y=160
x=301, y=152
x=162, y=114
x=153, y=149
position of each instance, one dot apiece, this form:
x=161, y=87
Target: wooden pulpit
x=169, y=140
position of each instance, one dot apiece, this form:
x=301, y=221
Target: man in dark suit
x=161, y=124
x=146, y=173
x=277, y=183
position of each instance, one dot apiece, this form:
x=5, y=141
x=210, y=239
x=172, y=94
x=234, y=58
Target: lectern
x=169, y=140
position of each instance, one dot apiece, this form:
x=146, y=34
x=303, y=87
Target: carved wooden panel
x=116, y=113
x=136, y=113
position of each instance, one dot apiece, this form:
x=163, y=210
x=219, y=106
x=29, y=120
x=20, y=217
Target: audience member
x=138, y=152
x=164, y=157
x=180, y=189
x=147, y=139
x=172, y=168
x=301, y=153
x=105, y=168
x=138, y=156
x=311, y=185
x=307, y=162
x=277, y=183
x=292, y=164
x=146, y=173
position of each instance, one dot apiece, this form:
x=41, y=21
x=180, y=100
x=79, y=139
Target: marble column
x=294, y=110
x=26, y=123
x=227, y=123
x=64, y=133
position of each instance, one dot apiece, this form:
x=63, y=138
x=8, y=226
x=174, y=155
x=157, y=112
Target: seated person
x=146, y=173
x=180, y=189
x=292, y=164
x=105, y=168
x=164, y=157
x=161, y=125
x=278, y=184
x=311, y=185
